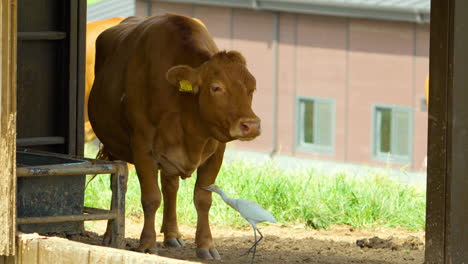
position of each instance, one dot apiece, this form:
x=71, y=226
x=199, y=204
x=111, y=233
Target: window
x=315, y=126
x=392, y=133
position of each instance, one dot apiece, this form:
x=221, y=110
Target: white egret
x=251, y=211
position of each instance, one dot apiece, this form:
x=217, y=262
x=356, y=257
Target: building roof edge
x=415, y=15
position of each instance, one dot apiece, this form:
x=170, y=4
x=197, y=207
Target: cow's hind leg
x=172, y=236
x=103, y=154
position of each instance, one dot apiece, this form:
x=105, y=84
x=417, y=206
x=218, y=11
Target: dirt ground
x=288, y=244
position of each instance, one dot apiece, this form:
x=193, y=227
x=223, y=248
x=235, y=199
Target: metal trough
x=34, y=166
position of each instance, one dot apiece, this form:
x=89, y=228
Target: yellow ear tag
x=185, y=86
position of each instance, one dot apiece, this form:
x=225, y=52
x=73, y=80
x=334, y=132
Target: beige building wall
x=252, y=35
x=321, y=70
x=286, y=83
x=380, y=72
x=357, y=62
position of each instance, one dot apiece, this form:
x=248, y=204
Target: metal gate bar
x=119, y=176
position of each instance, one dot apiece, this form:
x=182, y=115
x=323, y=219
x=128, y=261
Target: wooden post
x=7, y=127
x=119, y=190
x=447, y=182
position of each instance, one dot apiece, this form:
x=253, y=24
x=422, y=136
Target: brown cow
x=93, y=29
x=166, y=99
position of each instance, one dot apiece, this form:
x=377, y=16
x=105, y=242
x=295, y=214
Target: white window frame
x=308, y=147
x=389, y=157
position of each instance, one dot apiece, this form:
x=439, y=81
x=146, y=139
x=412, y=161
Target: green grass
x=89, y=2
x=293, y=197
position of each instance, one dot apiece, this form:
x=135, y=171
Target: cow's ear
x=183, y=77
x=237, y=57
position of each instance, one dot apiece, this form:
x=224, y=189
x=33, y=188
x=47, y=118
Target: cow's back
x=93, y=29
x=130, y=90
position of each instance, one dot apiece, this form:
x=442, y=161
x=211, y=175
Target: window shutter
x=402, y=123
x=324, y=124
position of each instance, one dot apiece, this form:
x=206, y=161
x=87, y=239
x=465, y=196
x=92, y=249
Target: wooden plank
x=7, y=260
x=81, y=66
x=10, y=260
x=39, y=141
x=7, y=126
x=447, y=214
x=457, y=215
x=42, y=35
x=437, y=139
x=119, y=190
x=72, y=73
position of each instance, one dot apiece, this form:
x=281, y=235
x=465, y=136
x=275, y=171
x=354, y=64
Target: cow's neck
x=195, y=132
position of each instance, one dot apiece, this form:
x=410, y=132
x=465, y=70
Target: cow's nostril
x=245, y=127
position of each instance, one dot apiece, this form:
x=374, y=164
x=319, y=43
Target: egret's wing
x=252, y=211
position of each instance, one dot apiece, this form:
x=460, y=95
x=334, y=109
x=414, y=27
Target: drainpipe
x=148, y=7
x=274, y=148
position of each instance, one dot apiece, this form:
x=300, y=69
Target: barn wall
x=7, y=127
x=356, y=62
x=7, y=260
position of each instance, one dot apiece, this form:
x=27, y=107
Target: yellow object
x=427, y=90
x=185, y=86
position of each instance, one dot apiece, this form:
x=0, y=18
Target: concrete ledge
x=35, y=249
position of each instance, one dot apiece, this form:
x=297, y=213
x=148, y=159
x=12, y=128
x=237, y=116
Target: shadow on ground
x=278, y=250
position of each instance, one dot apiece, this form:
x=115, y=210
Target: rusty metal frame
x=119, y=177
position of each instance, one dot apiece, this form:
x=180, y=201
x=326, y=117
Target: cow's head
x=224, y=88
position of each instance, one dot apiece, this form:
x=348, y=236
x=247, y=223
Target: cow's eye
x=216, y=89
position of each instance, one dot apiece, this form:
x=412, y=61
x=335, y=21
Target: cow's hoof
x=153, y=251
x=205, y=253
x=174, y=242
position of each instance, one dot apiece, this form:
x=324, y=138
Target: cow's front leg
x=206, y=175
x=150, y=193
x=170, y=186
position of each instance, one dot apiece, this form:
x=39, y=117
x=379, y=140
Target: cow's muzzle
x=246, y=129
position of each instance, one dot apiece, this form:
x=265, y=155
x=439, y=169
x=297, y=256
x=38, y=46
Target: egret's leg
x=261, y=236
x=255, y=243
x=254, y=247
x=254, y=250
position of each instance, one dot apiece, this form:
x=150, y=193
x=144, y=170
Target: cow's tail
x=102, y=154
